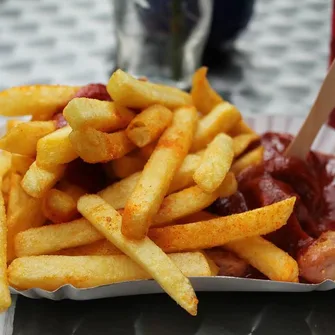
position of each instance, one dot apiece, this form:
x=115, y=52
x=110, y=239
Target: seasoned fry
x=12, y=123
x=21, y=164
x=23, y=212
x=266, y=257
x=147, y=126
x=219, y=231
x=55, y=149
x=37, y=181
x=253, y=157
x=215, y=163
x=51, y=272
x=101, y=115
x=31, y=132
x=59, y=206
x=192, y=200
x=94, y=146
x=127, y=165
x=130, y=92
x=203, y=95
x=98, y=248
x=242, y=142
x=157, y=174
x=51, y=238
x=221, y=119
x=41, y=101
x=5, y=299
x=241, y=128
x=144, y=252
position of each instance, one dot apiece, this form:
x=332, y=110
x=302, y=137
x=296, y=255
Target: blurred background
x=266, y=56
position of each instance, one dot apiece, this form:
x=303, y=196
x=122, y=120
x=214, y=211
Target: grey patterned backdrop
x=278, y=66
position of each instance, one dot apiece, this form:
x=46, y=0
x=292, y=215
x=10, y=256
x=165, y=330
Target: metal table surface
x=277, y=67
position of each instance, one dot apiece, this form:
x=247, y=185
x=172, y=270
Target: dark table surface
x=277, y=67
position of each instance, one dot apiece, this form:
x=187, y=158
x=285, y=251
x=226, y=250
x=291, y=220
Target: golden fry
x=105, y=116
x=127, y=165
x=41, y=101
x=144, y=252
x=21, y=164
x=241, y=128
x=11, y=123
x=147, y=151
x=219, y=231
x=22, y=139
x=130, y=92
x=5, y=163
x=55, y=149
x=242, y=142
x=74, y=191
x=195, y=217
x=203, y=95
x=221, y=119
x=157, y=174
x=94, y=146
x=37, y=181
x=275, y=263
x=147, y=126
x=215, y=163
x=253, y=157
x=52, y=272
x=191, y=200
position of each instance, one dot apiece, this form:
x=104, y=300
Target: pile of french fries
x=168, y=155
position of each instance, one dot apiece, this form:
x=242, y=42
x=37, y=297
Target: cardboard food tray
x=325, y=142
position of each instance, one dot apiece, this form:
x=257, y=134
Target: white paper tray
x=325, y=142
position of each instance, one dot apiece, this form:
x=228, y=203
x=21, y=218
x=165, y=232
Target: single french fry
x=219, y=231
x=22, y=139
x=147, y=126
x=222, y=118
x=192, y=200
x=12, y=123
x=98, y=248
x=101, y=115
x=23, y=212
x=203, y=95
x=5, y=299
x=253, y=157
x=158, y=173
x=51, y=238
x=242, y=142
x=51, y=272
x=59, y=206
x=127, y=165
x=130, y=92
x=241, y=128
x=144, y=252
x=55, y=149
x=21, y=164
x=5, y=163
x=41, y=101
x=215, y=163
x=275, y=263
x=94, y=146
x=37, y=181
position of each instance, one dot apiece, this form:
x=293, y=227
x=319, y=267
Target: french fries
x=55, y=149
x=95, y=146
x=20, y=164
x=127, y=165
x=144, y=252
x=23, y=212
x=59, y=206
x=147, y=126
x=215, y=164
x=192, y=200
x=22, y=139
x=241, y=142
x=130, y=92
x=5, y=299
x=105, y=116
x=253, y=157
x=157, y=174
x=37, y=181
x=266, y=257
x=219, y=231
x=11, y=123
x=203, y=96
x=51, y=272
x=222, y=118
